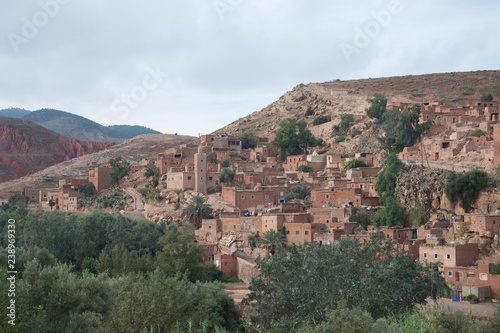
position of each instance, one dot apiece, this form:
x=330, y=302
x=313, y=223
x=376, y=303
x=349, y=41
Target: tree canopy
x=197, y=210
x=303, y=284
x=293, y=137
x=377, y=108
x=120, y=168
x=402, y=129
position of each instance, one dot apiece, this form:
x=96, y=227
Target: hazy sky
x=193, y=66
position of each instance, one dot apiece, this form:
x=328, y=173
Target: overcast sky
x=193, y=66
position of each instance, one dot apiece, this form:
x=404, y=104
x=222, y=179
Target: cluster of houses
x=260, y=185
x=67, y=195
x=450, y=132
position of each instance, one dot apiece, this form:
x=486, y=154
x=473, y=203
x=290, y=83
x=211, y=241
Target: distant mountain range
x=77, y=127
x=26, y=147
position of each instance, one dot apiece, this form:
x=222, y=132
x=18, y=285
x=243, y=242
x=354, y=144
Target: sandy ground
x=486, y=309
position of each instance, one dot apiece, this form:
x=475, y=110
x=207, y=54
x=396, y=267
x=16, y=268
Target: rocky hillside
x=26, y=148
x=133, y=150
x=339, y=97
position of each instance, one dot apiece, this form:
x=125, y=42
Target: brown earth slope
x=26, y=148
x=133, y=150
x=335, y=98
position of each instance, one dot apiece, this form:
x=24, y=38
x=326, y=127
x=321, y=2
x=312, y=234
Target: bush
x=211, y=158
x=305, y=168
x=321, y=120
x=466, y=187
x=355, y=132
x=353, y=163
x=339, y=139
x=225, y=164
x=487, y=98
x=495, y=269
x=227, y=175
x=309, y=111
x=477, y=133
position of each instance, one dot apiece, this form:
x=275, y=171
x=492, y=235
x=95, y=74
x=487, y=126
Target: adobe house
x=316, y=161
x=400, y=235
x=424, y=232
x=209, y=230
x=220, y=142
x=100, y=177
x=293, y=162
x=411, y=246
x=227, y=263
x=333, y=161
x=478, y=276
x=450, y=255
x=336, y=197
x=299, y=233
x=367, y=158
x=69, y=201
x=484, y=225
x=262, y=195
x=32, y=194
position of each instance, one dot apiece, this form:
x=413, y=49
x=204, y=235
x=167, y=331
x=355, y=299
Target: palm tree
x=272, y=240
x=197, y=210
x=178, y=191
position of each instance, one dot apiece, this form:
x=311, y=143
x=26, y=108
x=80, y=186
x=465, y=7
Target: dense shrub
x=465, y=188
x=321, y=120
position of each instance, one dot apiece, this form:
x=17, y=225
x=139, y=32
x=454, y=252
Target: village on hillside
x=262, y=194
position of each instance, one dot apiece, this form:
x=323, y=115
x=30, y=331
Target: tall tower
x=200, y=171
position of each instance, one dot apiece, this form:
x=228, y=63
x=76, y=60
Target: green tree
x=19, y=200
x=487, y=98
x=212, y=158
x=466, y=187
x=293, y=137
x=377, y=108
x=346, y=121
x=151, y=171
x=180, y=255
x=51, y=203
x=309, y=112
x=88, y=190
x=477, y=133
x=248, y=140
x=305, y=168
x=272, y=241
x=393, y=213
x=361, y=217
x=225, y=164
x=227, y=175
x=353, y=163
x=402, y=129
x=386, y=179
x=299, y=192
x=54, y=299
x=196, y=210
x=120, y=168
x=153, y=303
x=290, y=288
x=321, y=120
x=419, y=215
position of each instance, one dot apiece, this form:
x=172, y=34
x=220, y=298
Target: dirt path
x=476, y=310
x=237, y=291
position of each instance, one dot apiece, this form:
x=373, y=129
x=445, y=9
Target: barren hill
x=337, y=97
x=133, y=150
x=26, y=148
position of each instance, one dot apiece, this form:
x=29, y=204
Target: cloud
x=90, y=53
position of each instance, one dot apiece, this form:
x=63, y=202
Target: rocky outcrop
x=26, y=148
x=419, y=184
